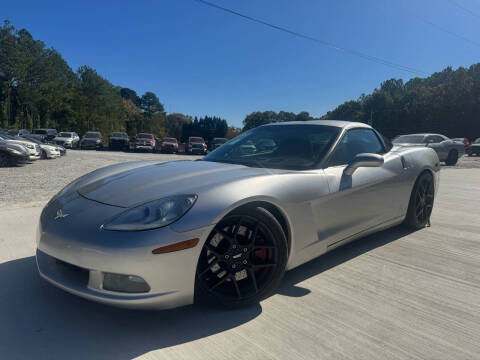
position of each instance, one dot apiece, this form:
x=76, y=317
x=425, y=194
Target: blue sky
x=201, y=61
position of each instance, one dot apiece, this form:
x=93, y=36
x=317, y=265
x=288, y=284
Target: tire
x=43, y=155
x=4, y=160
x=452, y=158
x=243, y=260
x=421, y=202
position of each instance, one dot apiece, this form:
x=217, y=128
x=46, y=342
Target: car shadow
x=336, y=257
x=39, y=321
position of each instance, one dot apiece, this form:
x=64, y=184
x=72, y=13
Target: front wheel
x=243, y=260
x=421, y=202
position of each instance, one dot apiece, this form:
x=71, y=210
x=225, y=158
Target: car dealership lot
x=393, y=295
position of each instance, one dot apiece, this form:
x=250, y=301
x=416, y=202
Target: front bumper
x=79, y=241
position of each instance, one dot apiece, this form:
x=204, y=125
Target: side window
x=354, y=142
x=433, y=139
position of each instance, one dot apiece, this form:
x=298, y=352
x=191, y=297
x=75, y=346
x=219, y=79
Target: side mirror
x=363, y=160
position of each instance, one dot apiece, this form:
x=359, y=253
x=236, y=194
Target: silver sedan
x=226, y=228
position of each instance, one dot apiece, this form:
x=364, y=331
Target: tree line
x=38, y=89
x=447, y=102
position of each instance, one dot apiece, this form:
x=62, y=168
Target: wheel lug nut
x=244, y=262
x=227, y=257
x=234, y=266
x=234, y=246
x=245, y=249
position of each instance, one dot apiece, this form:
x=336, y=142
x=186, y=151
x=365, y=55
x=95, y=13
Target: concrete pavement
x=393, y=295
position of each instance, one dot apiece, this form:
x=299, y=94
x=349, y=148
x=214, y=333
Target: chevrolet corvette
x=224, y=229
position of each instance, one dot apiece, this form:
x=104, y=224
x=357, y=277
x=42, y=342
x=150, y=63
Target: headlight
x=153, y=214
x=97, y=140
x=30, y=146
x=16, y=152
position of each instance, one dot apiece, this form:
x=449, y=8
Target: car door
x=438, y=144
x=363, y=200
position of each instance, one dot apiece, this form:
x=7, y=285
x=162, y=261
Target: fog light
x=124, y=283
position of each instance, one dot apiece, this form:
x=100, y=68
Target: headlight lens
x=152, y=215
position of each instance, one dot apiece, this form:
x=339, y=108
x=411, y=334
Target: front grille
x=68, y=272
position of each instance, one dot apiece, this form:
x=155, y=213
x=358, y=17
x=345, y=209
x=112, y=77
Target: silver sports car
x=225, y=229
x=447, y=150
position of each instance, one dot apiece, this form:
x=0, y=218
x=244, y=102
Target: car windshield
x=294, y=147
x=170, y=140
x=408, y=139
x=145, y=136
x=66, y=134
x=40, y=132
x=92, y=135
x=196, y=139
x=119, y=134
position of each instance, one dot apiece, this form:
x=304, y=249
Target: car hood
x=129, y=184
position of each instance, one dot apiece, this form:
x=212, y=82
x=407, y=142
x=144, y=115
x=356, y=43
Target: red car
x=144, y=141
x=196, y=145
x=169, y=145
x=465, y=142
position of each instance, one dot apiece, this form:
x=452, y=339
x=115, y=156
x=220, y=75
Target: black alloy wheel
x=452, y=158
x=4, y=160
x=421, y=202
x=243, y=259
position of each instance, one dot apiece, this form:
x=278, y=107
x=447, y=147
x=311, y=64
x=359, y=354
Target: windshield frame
x=97, y=135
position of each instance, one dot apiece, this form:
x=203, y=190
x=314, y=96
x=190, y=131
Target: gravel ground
x=36, y=183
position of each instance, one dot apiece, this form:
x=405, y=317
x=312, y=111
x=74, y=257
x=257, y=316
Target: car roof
x=335, y=123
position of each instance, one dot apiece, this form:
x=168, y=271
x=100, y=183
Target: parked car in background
x=447, y=150
x=169, y=144
x=217, y=142
x=44, y=135
x=92, y=140
x=67, y=139
x=464, y=141
x=118, y=141
x=196, y=145
x=12, y=154
x=145, y=141
x=474, y=148
x=47, y=151
x=21, y=132
x=32, y=148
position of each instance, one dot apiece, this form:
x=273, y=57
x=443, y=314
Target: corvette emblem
x=60, y=215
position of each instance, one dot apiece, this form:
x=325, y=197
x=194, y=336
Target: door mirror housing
x=363, y=160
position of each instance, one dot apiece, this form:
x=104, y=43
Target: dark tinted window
x=145, y=136
x=296, y=147
x=93, y=135
x=354, y=142
x=434, y=139
x=40, y=132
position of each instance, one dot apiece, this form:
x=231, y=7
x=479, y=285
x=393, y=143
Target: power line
x=460, y=6
x=441, y=28
x=318, y=41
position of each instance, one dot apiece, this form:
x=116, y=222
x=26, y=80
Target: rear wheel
x=421, y=202
x=43, y=155
x=243, y=259
x=452, y=158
